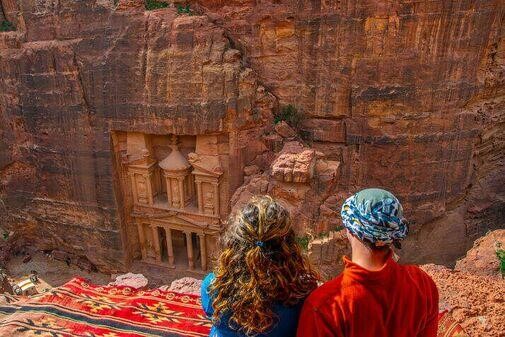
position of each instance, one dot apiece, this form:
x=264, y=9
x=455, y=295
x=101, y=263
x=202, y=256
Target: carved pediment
x=175, y=218
x=205, y=165
x=140, y=162
x=154, y=215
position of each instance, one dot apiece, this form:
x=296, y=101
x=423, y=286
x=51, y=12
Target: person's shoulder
x=415, y=271
x=327, y=292
x=206, y=283
x=209, y=278
x=205, y=296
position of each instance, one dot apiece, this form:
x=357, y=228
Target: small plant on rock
x=303, y=242
x=7, y=26
x=289, y=114
x=184, y=10
x=154, y=4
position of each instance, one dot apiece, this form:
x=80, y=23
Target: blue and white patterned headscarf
x=375, y=215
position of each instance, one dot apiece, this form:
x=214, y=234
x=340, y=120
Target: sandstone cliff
x=405, y=95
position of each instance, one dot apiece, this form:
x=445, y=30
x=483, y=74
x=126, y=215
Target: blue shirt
x=285, y=326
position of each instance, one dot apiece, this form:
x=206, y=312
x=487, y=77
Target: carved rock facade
x=122, y=132
x=176, y=202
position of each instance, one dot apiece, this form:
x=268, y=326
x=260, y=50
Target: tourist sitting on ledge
x=374, y=296
x=261, y=278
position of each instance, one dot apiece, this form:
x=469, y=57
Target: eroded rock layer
x=474, y=301
x=80, y=72
x=405, y=95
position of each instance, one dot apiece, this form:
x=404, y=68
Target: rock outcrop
x=481, y=259
x=476, y=302
x=406, y=95
x=300, y=178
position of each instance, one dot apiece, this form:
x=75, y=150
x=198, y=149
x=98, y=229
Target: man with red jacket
x=374, y=296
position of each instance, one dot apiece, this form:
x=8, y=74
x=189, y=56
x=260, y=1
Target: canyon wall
x=405, y=95
x=76, y=72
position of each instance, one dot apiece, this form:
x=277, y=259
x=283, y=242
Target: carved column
x=156, y=242
x=216, y=199
x=189, y=244
x=169, y=192
x=182, y=196
x=170, y=247
x=192, y=185
x=142, y=240
x=150, y=191
x=200, y=195
x=203, y=251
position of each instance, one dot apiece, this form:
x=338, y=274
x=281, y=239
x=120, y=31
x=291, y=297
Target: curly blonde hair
x=260, y=264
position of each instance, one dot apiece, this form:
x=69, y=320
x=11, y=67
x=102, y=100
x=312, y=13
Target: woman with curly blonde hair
x=261, y=278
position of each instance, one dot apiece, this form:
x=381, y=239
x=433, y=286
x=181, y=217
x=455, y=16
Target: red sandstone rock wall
x=81, y=70
x=407, y=95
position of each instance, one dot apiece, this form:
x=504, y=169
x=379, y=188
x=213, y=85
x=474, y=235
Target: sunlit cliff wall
x=73, y=73
x=406, y=95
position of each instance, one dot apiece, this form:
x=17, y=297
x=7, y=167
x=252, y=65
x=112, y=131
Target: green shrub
x=303, y=242
x=7, y=26
x=184, y=10
x=289, y=114
x=154, y=4
x=500, y=253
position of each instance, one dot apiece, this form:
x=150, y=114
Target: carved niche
x=142, y=169
x=206, y=171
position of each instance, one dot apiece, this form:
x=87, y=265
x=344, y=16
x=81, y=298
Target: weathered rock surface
x=405, y=95
x=284, y=130
x=296, y=167
x=80, y=71
x=476, y=302
x=290, y=175
x=482, y=259
x=185, y=285
x=326, y=252
x=137, y=281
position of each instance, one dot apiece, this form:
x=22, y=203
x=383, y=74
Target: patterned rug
x=448, y=327
x=81, y=309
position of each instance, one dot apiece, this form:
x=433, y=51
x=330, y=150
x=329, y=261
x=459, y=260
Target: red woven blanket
x=448, y=327
x=82, y=309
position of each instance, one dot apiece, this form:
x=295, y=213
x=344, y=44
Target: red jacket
x=396, y=301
